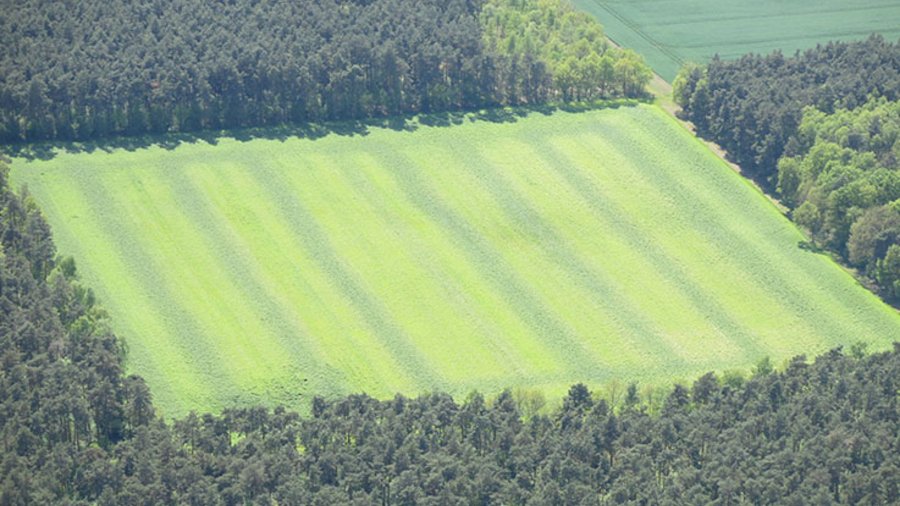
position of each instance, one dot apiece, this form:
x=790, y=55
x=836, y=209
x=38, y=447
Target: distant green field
x=555, y=249
x=670, y=32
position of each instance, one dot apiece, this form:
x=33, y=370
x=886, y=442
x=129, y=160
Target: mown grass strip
x=494, y=270
x=123, y=232
x=318, y=244
x=667, y=293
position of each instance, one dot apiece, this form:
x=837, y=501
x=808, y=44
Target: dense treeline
x=821, y=129
x=752, y=106
x=75, y=431
x=83, y=70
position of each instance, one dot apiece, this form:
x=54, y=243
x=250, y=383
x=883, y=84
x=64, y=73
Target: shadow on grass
x=811, y=247
x=48, y=150
x=858, y=275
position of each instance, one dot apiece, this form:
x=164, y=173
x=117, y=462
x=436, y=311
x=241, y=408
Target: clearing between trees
x=531, y=252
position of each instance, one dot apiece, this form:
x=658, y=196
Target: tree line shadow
x=47, y=150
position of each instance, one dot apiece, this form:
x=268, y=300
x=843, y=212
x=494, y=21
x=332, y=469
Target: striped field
x=671, y=32
x=558, y=248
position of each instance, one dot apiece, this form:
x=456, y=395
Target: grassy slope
x=669, y=32
x=563, y=248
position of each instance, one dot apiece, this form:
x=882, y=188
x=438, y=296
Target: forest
x=76, y=430
x=88, y=70
x=820, y=130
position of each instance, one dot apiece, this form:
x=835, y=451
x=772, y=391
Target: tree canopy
x=841, y=173
x=752, y=106
x=552, y=51
x=84, y=70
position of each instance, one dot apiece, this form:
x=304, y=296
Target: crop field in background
x=671, y=32
x=536, y=253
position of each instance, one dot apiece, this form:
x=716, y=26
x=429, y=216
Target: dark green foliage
x=65, y=401
x=96, y=69
x=752, y=106
x=75, y=430
x=827, y=428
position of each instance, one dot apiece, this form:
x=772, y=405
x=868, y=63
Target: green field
x=671, y=32
x=537, y=253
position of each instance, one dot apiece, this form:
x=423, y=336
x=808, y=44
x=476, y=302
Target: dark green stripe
x=319, y=247
x=181, y=323
x=493, y=268
x=215, y=234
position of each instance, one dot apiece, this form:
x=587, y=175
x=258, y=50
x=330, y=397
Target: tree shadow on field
x=858, y=275
x=347, y=128
x=811, y=247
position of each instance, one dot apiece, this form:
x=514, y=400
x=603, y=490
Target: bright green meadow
x=535, y=253
x=671, y=32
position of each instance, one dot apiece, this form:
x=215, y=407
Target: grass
x=669, y=33
x=533, y=253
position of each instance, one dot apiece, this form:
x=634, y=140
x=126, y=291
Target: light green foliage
x=670, y=33
x=556, y=249
x=569, y=43
x=689, y=78
x=842, y=175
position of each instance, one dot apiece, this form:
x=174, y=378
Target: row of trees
x=75, y=430
x=96, y=69
x=820, y=130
